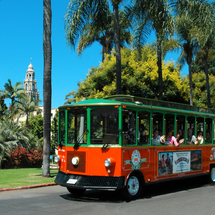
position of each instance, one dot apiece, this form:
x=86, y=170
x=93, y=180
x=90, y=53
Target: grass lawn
x=10, y=178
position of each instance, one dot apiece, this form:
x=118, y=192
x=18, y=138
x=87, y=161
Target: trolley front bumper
x=89, y=182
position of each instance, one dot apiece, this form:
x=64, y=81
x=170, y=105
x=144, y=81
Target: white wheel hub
x=133, y=185
x=213, y=174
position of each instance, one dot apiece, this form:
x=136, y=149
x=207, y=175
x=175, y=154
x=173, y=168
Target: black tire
x=76, y=192
x=134, y=187
x=212, y=174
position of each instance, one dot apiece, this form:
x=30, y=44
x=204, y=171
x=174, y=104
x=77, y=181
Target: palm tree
x=205, y=53
x=79, y=13
x=192, y=18
x=148, y=15
x=189, y=46
x=103, y=33
x=117, y=45
x=203, y=32
x=25, y=107
x=14, y=93
x=47, y=52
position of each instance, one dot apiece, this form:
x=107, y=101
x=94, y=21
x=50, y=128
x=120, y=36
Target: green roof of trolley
x=92, y=102
x=129, y=100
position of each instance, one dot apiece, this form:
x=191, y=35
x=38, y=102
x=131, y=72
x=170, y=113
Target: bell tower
x=30, y=84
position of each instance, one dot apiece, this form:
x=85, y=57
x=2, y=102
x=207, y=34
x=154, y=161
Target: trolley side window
x=208, y=129
x=180, y=129
x=157, y=128
x=169, y=123
x=77, y=126
x=214, y=131
x=144, y=127
x=190, y=128
x=104, y=126
x=62, y=129
x=129, y=127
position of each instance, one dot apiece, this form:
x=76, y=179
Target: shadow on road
x=150, y=191
x=96, y=196
x=168, y=187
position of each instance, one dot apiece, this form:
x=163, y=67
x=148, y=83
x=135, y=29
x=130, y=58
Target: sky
x=21, y=43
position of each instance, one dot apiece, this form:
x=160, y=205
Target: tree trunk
x=47, y=51
x=103, y=54
x=26, y=119
x=117, y=46
x=207, y=81
x=105, y=50
x=159, y=63
x=189, y=61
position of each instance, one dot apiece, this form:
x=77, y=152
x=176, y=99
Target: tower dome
x=30, y=67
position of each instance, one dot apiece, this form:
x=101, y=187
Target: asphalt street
x=190, y=196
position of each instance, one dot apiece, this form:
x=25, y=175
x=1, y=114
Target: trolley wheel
x=133, y=187
x=76, y=192
x=212, y=174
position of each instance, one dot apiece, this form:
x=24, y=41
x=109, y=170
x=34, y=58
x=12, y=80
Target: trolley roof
x=144, y=102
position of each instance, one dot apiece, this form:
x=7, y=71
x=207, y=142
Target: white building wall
x=53, y=111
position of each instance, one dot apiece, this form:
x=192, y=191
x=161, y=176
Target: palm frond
x=77, y=15
x=181, y=60
x=170, y=45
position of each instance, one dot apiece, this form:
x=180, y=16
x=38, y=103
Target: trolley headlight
x=57, y=158
x=107, y=162
x=75, y=161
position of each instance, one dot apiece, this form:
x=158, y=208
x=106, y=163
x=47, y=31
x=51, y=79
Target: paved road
x=193, y=196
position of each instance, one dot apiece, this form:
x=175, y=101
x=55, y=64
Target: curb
x=28, y=187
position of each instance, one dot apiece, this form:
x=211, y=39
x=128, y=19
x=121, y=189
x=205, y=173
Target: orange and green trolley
x=110, y=144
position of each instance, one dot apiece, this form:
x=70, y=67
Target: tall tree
x=78, y=15
x=184, y=25
x=203, y=31
x=117, y=45
x=194, y=25
x=47, y=89
x=206, y=52
x=148, y=15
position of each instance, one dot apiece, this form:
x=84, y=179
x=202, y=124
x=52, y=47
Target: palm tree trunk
x=105, y=50
x=26, y=119
x=207, y=81
x=103, y=54
x=159, y=63
x=189, y=61
x=47, y=51
x=117, y=45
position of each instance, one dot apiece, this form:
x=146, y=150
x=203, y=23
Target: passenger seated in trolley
x=142, y=135
x=208, y=137
x=200, y=138
x=192, y=139
x=156, y=138
x=169, y=139
x=180, y=136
